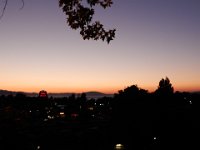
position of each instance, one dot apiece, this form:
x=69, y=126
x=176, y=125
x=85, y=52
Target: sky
x=154, y=39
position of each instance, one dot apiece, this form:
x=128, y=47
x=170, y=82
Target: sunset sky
x=154, y=39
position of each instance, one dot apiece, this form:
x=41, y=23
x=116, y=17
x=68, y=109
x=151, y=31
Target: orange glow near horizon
x=63, y=90
x=79, y=82
x=106, y=90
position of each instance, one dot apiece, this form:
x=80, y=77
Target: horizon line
x=14, y=91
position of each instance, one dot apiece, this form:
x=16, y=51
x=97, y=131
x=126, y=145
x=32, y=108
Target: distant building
x=43, y=94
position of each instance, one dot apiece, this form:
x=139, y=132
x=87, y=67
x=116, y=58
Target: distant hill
x=96, y=95
x=6, y=93
x=89, y=95
x=196, y=92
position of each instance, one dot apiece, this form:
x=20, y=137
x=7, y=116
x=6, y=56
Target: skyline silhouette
x=131, y=119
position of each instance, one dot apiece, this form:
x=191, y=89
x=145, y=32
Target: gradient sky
x=154, y=39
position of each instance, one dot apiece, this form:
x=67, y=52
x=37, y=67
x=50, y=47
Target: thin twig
x=4, y=8
x=22, y=5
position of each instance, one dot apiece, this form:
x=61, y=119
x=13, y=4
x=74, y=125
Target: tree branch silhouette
x=80, y=15
x=4, y=9
x=5, y=6
x=22, y=5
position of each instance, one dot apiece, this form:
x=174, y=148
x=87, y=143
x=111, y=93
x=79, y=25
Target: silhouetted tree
x=165, y=87
x=130, y=115
x=79, y=16
x=131, y=93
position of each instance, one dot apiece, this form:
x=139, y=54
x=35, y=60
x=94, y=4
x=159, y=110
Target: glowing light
x=90, y=108
x=74, y=115
x=62, y=113
x=50, y=117
x=43, y=94
x=38, y=147
x=119, y=147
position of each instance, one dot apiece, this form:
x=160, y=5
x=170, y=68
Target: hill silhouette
x=90, y=94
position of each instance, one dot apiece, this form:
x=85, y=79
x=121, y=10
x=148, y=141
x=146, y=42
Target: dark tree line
x=134, y=117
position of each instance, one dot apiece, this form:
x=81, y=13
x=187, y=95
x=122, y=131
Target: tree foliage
x=165, y=87
x=132, y=92
x=79, y=15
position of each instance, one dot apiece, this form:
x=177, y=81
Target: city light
x=62, y=113
x=74, y=115
x=43, y=94
x=119, y=147
x=38, y=147
x=90, y=108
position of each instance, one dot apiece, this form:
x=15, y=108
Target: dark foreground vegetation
x=132, y=119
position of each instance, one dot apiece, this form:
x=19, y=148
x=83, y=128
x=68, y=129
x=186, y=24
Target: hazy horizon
x=71, y=92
